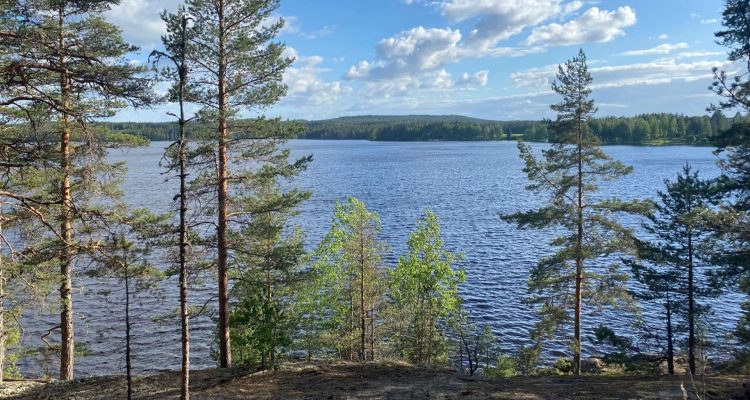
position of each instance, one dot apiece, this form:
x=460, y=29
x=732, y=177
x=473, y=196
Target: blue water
x=466, y=183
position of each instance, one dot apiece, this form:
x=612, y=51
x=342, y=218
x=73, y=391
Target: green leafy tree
x=424, y=294
x=343, y=293
x=569, y=173
x=235, y=68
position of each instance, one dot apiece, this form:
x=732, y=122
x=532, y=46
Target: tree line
x=62, y=215
x=644, y=129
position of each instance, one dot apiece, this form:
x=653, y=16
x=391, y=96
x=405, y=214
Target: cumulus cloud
x=305, y=84
x=665, y=48
x=477, y=79
x=500, y=19
x=594, y=25
x=140, y=21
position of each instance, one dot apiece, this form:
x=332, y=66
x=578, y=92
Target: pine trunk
x=579, y=258
x=670, y=340
x=691, y=306
x=128, y=354
x=225, y=351
x=67, y=344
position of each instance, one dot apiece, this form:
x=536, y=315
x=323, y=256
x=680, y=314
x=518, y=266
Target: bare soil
x=344, y=380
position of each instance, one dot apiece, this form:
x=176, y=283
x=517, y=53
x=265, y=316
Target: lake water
x=466, y=183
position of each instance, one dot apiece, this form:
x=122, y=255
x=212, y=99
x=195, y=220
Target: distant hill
x=645, y=129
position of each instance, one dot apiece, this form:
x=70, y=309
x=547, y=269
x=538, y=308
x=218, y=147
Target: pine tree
x=733, y=223
x=424, y=294
x=236, y=68
x=175, y=52
x=127, y=263
x=23, y=284
x=69, y=64
x=682, y=249
x=569, y=174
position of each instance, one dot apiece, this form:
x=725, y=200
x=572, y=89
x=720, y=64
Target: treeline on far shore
x=644, y=129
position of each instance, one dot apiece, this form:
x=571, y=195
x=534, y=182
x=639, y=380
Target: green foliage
x=345, y=273
x=563, y=366
x=569, y=174
x=675, y=265
x=644, y=129
x=527, y=359
x=424, y=293
x=505, y=366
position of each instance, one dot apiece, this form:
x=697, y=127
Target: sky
x=492, y=59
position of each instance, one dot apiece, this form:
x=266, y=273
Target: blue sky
x=490, y=59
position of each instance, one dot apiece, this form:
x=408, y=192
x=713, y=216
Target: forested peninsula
x=646, y=129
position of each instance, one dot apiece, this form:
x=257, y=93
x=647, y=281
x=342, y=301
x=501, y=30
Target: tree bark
x=362, y=323
x=579, y=257
x=225, y=351
x=3, y=334
x=67, y=345
x=691, y=305
x=184, y=310
x=670, y=340
x=128, y=354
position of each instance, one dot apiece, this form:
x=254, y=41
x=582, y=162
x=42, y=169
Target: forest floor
x=344, y=380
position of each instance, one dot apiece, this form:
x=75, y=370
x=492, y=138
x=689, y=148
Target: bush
x=505, y=367
x=527, y=360
x=563, y=366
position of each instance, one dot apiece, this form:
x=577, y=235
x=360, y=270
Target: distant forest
x=644, y=129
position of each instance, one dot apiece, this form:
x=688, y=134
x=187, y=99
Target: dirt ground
x=343, y=380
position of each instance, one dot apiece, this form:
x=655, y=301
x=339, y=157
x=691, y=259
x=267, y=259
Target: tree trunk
x=128, y=364
x=362, y=322
x=579, y=258
x=670, y=340
x=3, y=334
x=184, y=310
x=67, y=344
x=225, y=351
x=691, y=306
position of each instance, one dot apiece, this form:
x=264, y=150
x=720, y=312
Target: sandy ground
x=343, y=380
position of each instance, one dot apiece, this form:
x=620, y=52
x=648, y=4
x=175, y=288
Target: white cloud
x=686, y=54
x=661, y=71
x=663, y=36
x=594, y=25
x=501, y=19
x=305, y=85
x=140, y=21
x=477, y=79
x=665, y=48
x=411, y=52
x=709, y=21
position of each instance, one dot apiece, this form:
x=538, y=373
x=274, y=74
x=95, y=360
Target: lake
x=466, y=183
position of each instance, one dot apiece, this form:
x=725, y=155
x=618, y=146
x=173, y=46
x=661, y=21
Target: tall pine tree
x=68, y=64
x=682, y=249
x=569, y=173
x=734, y=151
x=236, y=68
